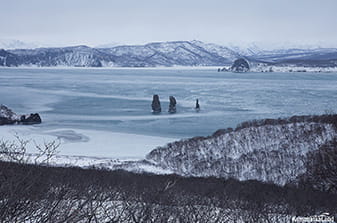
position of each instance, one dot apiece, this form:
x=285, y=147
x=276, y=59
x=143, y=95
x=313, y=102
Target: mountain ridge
x=165, y=54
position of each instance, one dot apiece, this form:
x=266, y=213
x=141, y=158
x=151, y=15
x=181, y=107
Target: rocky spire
x=156, y=108
x=172, y=106
x=197, y=106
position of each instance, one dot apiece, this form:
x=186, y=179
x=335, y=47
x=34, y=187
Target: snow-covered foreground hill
x=267, y=153
x=270, y=150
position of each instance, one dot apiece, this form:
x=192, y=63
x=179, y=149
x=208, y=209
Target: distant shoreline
x=118, y=68
x=277, y=69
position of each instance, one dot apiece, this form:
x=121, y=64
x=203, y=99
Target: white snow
x=7, y=113
x=78, y=142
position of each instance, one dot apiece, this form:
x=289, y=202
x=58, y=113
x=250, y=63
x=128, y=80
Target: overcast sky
x=95, y=22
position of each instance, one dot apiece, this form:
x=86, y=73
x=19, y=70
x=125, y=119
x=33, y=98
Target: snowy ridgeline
x=167, y=54
x=170, y=54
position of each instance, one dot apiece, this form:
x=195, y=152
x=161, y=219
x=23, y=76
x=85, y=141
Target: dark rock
x=240, y=65
x=6, y=121
x=197, y=106
x=172, y=106
x=31, y=119
x=8, y=117
x=156, y=108
x=225, y=69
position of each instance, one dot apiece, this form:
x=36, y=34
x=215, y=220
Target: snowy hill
x=77, y=56
x=166, y=54
x=271, y=150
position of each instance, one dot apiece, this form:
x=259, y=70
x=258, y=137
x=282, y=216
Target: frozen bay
x=107, y=112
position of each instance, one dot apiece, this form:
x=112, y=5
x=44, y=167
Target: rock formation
x=7, y=117
x=31, y=119
x=197, y=106
x=240, y=65
x=156, y=108
x=172, y=106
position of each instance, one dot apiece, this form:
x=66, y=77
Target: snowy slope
x=182, y=53
x=77, y=56
x=272, y=152
x=178, y=53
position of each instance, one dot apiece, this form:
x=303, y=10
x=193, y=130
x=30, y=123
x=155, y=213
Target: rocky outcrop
x=8, y=117
x=30, y=119
x=156, y=108
x=172, y=106
x=270, y=150
x=240, y=65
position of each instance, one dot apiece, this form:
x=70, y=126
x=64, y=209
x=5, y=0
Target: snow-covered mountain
x=166, y=54
x=179, y=53
x=16, y=44
x=77, y=56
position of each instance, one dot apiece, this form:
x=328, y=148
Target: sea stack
x=197, y=106
x=172, y=106
x=156, y=108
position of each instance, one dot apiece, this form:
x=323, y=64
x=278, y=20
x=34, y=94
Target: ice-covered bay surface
x=107, y=112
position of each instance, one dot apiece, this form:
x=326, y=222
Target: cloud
x=69, y=22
